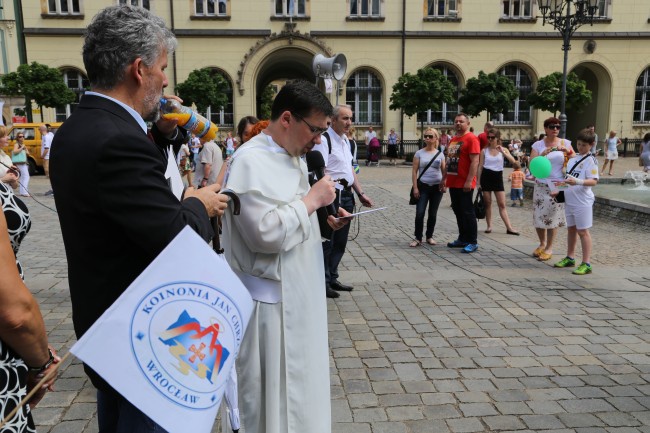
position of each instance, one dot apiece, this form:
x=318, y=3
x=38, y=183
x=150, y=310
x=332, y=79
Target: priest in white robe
x=274, y=245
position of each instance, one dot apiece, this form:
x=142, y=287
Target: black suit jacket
x=116, y=209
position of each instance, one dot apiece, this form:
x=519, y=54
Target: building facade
x=253, y=43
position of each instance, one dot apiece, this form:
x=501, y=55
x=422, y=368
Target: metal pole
x=566, y=46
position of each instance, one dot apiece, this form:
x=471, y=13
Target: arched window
x=78, y=83
x=223, y=116
x=447, y=112
x=520, y=111
x=363, y=92
x=642, y=98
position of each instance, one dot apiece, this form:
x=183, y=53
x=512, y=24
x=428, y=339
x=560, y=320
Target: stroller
x=373, y=151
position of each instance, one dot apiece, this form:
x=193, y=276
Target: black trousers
x=463, y=207
x=334, y=249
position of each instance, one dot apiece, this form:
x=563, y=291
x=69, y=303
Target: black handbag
x=412, y=199
x=559, y=198
x=479, y=205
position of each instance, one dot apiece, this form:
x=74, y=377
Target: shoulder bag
x=560, y=196
x=19, y=158
x=412, y=199
x=479, y=205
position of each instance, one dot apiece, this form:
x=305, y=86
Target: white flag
x=170, y=340
x=328, y=85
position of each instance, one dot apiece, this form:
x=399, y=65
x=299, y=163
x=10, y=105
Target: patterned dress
x=13, y=371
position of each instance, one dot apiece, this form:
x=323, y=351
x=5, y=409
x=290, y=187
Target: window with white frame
x=78, y=83
x=447, y=112
x=64, y=7
x=141, y=3
x=223, y=116
x=603, y=9
x=365, y=8
x=441, y=8
x=520, y=111
x=210, y=8
x=363, y=93
x=642, y=98
x=290, y=8
x=517, y=8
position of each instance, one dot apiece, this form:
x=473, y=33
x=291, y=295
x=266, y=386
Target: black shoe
x=337, y=285
x=331, y=293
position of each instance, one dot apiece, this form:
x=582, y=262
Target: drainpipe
x=171, y=9
x=20, y=27
x=401, y=113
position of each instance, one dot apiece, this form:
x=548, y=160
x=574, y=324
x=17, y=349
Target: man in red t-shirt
x=462, y=164
x=482, y=137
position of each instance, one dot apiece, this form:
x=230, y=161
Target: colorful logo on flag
x=183, y=335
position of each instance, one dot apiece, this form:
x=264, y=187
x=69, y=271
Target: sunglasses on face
x=429, y=136
x=553, y=126
x=20, y=136
x=491, y=137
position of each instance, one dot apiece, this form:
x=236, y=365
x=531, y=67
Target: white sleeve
x=270, y=228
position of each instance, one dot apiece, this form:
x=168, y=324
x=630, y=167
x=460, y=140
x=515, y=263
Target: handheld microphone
x=316, y=164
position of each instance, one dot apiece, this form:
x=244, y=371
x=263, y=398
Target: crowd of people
x=276, y=246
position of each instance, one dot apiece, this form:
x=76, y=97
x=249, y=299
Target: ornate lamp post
x=566, y=16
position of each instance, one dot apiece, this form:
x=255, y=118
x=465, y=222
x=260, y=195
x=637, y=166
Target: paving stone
x=465, y=425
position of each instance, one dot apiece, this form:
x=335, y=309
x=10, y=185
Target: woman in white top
x=430, y=187
x=490, y=179
x=548, y=214
x=611, y=152
x=8, y=171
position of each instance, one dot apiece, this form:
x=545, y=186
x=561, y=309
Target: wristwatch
x=44, y=366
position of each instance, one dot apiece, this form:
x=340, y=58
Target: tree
x=428, y=89
x=266, y=101
x=493, y=93
x=548, y=94
x=204, y=88
x=38, y=83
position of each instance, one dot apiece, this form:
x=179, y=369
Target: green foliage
x=38, y=83
x=266, y=101
x=548, y=94
x=204, y=88
x=493, y=93
x=428, y=89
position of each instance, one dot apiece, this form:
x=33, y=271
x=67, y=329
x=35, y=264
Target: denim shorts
x=516, y=194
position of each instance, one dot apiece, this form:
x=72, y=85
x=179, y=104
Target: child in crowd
x=582, y=174
x=516, y=178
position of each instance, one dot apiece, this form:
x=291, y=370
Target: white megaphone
x=330, y=67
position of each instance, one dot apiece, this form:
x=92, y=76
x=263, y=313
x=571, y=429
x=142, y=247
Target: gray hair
x=338, y=108
x=116, y=37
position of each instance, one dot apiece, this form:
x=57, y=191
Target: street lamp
x=559, y=14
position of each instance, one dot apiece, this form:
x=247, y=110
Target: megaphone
x=330, y=67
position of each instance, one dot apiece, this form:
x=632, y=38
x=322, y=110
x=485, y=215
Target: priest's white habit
x=275, y=247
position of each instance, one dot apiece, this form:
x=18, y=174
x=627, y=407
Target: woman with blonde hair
x=428, y=177
x=611, y=151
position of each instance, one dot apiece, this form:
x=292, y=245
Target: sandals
x=430, y=241
x=538, y=251
x=512, y=232
x=415, y=243
x=488, y=231
x=544, y=256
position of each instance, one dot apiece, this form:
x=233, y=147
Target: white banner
x=169, y=342
x=328, y=85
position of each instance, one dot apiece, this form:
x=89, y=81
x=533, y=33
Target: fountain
x=638, y=177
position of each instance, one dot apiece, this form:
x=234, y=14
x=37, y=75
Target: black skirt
x=491, y=180
x=392, y=151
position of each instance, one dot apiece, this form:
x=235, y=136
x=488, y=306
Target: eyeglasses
x=553, y=126
x=20, y=136
x=491, y=137
x=314, y=129
x=429, y=136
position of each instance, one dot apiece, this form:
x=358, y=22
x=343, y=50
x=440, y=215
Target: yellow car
x=32, y=142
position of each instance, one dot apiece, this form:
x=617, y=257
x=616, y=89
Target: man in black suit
x=115, y=205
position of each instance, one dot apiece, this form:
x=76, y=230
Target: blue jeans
x=463, y=206
x=516, y=194
x=334, y=250
x=431, y=195
x=116, y=415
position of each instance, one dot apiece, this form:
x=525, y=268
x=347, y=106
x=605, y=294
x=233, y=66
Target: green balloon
x=540, y=167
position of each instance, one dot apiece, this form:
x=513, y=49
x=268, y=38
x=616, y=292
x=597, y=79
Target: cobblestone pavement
x=432, y=340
